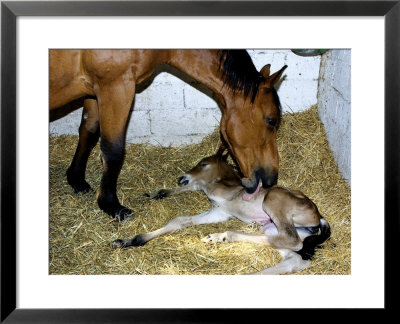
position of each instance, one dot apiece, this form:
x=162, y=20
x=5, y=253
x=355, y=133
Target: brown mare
x=106, y=81
x=289, y=220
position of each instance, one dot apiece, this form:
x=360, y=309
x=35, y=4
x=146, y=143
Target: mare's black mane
x=240, y=74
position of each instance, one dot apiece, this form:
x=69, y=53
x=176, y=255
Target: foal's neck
x=223, y=190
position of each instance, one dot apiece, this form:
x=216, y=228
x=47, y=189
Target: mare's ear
x=274, y=78
x=265, y=71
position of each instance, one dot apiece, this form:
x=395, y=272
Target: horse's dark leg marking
x=89, y=132
x=113, y=154
x=212, y=216
x=161, y=194
x=138, y=240
x=115, y=100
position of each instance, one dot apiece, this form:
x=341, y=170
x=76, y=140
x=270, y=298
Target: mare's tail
x=312, y=241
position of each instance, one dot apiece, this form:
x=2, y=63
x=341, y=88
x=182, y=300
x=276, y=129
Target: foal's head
x=211, y=169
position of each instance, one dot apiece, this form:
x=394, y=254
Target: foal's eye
x=203, y=164
x=271, y=122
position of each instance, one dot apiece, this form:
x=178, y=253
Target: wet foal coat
x=289, y=220
x=105, y=81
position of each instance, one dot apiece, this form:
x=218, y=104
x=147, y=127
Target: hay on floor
x=80, y=233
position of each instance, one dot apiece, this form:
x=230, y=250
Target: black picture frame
x=9, y=13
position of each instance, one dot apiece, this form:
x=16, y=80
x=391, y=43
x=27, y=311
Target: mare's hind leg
x=115, y=100
x=89, y=132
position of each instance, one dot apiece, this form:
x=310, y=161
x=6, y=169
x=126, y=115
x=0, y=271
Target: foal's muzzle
x=184, y=180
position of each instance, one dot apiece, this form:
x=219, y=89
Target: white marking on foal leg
x=216, y=237
x=291, y=263
x=232, y=236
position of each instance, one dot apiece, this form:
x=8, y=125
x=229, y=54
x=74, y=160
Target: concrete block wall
x=334, y=106
x=173, y=112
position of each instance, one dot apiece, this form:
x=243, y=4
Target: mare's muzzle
x=268, y=179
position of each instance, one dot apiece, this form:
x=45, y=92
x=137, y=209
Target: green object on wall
x=309, y=52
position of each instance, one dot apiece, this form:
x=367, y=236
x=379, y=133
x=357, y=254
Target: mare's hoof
x=77, y=182
x=123, y=214
x=110, y=205
x=81, y=187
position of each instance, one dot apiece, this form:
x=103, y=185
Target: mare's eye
x=272, y=122
x=203, y=164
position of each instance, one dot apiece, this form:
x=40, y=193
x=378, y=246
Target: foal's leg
x=164, y=193
x=89, y=132
x=292, y=262
x=234, y=236
x=212, y=216
x=115, y=100
x=277, y=241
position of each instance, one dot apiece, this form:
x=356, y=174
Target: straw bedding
x=80, y=233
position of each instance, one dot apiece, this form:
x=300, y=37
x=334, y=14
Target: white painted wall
x=334, y=106
x=173, y=112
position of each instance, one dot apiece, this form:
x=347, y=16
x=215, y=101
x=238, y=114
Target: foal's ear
x=274, y=78
x=220, y=152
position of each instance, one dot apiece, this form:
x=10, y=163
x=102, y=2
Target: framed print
x=32, y=290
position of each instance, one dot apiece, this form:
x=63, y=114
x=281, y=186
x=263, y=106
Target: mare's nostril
x=268, y=179
x=183, y=181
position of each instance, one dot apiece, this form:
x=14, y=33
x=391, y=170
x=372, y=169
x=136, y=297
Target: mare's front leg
x=89, y=132
x=212, y=216
x=115, y=100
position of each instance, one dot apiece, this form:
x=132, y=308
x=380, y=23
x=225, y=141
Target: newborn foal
x=289, y=220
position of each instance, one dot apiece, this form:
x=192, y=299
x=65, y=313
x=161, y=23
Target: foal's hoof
x=138, y=240
x=117, y=244
x=161, y=194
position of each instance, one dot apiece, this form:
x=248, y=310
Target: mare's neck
x=202, y=66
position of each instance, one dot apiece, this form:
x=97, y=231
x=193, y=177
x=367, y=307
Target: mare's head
x=211, y=169
x=250, y=119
